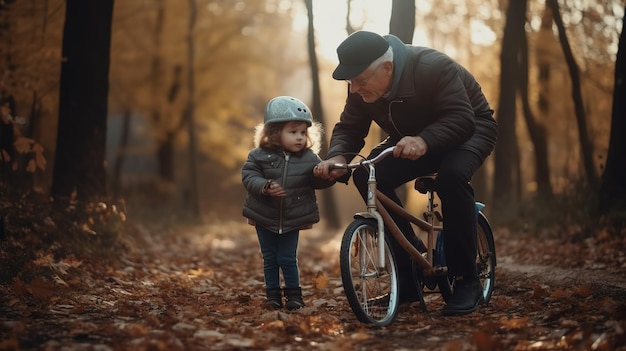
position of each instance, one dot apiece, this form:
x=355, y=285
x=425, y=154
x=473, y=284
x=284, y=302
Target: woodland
x=125, y=125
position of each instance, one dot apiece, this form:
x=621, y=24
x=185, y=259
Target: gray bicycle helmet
x=287, y=109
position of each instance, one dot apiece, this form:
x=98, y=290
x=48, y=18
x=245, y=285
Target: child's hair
x=267, y=137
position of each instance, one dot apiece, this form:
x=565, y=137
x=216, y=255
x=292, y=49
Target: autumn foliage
x=83, y=275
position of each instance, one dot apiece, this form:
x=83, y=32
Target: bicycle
x=368, y=268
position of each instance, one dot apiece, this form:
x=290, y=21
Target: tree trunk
x=81, y=139
x=165, y=157
x=536, y=131
x=121, y=153
x=402, y=25
x=329, y=205
x=194, y=201
x=544, y=47
x=165, y=147
x=402, y=22
x=613, y=193
x=585, y=142
x=506, y=149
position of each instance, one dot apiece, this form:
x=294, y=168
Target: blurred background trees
x=188, y=81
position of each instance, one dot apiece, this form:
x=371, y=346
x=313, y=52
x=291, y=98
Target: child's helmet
x=287, y=109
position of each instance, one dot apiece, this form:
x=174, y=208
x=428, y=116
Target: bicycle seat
x=426, y=183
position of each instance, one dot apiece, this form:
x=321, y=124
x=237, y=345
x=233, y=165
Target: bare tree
x=536, y=131
x=349, y=27
x=585, y=142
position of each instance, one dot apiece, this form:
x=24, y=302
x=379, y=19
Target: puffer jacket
x=431, y=96
x=295, y=175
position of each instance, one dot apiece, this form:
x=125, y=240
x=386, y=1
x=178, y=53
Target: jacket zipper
x=283, y=185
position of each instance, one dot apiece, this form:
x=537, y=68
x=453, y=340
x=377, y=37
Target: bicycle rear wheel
x=485, y=262
x=371, y=290
x=485, y=257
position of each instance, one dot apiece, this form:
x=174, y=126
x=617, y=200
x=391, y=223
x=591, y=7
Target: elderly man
x=436, y=115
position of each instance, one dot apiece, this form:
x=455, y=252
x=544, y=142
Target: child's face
x=293, y=136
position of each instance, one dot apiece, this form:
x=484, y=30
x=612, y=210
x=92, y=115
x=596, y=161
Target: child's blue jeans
x=280, y=253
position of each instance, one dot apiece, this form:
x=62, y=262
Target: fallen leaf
x=41, y=289
x=320, y=281
x=583, y=291
x=514, y=323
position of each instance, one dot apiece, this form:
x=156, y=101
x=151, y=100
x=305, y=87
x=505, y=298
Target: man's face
x=372, y=83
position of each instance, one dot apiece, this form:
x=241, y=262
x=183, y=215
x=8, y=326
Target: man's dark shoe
x=465, y=299
x=408, y=297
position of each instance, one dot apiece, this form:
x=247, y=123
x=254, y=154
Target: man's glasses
x=362, y=81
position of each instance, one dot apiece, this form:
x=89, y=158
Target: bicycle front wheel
x=370, y=287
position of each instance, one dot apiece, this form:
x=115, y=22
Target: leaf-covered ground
x=201, y=288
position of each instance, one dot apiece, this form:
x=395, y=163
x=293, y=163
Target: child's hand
x=326, y=169
x=274, y=189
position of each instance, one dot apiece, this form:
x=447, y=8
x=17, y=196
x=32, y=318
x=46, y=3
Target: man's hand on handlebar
x=411, y=147
x=326, y=169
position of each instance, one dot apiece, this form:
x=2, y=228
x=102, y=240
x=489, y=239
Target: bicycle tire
x=372, y=292
x=486, y=257
x=485, y=262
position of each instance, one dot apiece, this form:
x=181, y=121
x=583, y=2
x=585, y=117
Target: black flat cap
x=357, y=52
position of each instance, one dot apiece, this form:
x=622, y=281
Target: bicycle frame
x=377, y=204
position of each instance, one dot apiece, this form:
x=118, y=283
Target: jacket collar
x=402, y=67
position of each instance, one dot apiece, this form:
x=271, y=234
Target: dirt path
x=560, y=276
x=200, y=288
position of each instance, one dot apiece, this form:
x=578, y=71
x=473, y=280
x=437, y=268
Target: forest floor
x=200, y=287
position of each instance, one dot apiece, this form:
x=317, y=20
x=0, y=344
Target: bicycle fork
x=371, y=209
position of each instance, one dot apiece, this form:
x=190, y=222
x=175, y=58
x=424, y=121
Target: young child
x=278, y=176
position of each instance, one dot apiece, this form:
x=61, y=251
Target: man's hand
x=411, y=148
x=324, y=169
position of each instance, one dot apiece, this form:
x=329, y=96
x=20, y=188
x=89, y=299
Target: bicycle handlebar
x=366, y=162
